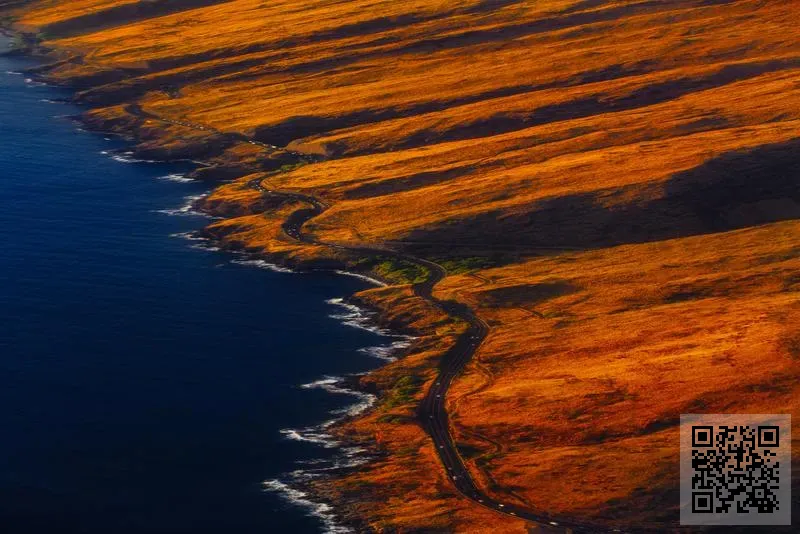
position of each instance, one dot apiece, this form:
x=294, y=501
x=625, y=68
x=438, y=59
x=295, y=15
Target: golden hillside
x=613, y=186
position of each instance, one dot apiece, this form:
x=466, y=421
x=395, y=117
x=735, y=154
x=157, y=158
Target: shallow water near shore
x=148, y=384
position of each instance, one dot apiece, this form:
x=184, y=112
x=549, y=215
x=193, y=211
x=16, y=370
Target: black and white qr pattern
x=735, y=468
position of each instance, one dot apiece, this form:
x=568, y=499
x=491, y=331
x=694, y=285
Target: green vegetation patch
x=289, y=167
x=466, y=265
x=403, y=391
x=394, y=270
x=392, y=419
x=402, y=271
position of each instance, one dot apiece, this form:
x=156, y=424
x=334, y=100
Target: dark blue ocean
x=145, y=381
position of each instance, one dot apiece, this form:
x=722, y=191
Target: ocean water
x=149, y=384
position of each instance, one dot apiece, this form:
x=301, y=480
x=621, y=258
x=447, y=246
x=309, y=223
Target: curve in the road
x=432, y=411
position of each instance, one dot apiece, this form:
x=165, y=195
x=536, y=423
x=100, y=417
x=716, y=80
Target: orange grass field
x=614, y=186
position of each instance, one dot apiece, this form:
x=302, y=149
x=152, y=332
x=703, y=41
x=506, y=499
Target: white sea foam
x=198, y=242
x=187, y=208
x=14, y=73
x=34, y=83
x=204, y=244
x=299, y=498
x=333, y=385
x=191, y=236
x=262, y=264
x=181, y=178
x=312, y=461
x=386, y=352
x=356, y=317
x=123, y=157
x=319, y=434
x=49, y=101
x=346, y=457
x=312, y=435
x=369, y=279
x=353, y=458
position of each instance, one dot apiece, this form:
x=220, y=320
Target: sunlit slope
x=594, y=355
x=56, y=19
x=614, y=186
x=498, y=105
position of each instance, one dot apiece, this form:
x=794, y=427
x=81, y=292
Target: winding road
x=432, y=411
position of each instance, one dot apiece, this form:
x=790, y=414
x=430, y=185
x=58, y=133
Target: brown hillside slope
x=614, y=187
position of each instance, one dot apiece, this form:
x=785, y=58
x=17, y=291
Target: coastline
x=450, y=330
x=304, y=487
x=580, y=211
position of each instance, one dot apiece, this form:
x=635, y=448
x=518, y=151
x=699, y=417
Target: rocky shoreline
x=148, y=145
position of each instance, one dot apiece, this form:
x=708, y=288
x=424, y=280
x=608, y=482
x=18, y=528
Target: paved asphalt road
x=432, y=410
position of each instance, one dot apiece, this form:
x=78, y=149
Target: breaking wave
x=292, y=487
x=386, y=352
x=356, y=317
x=175, y=178
x=319, y=434
x=346, y=456
x=334, y=385
x=263, y=264
x=198, y=242
x=369, y=279
x=187, y=209
x=125, y=157
x=321, y=511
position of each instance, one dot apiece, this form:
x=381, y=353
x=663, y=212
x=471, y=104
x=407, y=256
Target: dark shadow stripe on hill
x=230, y=63
x=597, y=104
x=455, y=38
x=8, y=4
x=120, y=15
x=247, y=67
x=427, y=44
x=550, y=24
x=487, y=6
x=362, y=28
x=736, y=190
x=503, y=122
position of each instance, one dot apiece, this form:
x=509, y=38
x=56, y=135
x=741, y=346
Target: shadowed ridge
x=649, y=95
x=304, y=126
x=626, y=105
x=735, y=190
x=119, y=15
x=551, y=24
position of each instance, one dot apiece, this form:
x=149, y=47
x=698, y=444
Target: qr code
x=735, y=469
